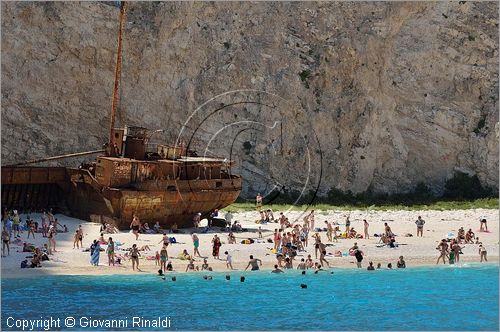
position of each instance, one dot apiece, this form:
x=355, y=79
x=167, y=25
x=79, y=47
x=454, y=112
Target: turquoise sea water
x=427, y=298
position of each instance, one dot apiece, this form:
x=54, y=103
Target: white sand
x=416, y=251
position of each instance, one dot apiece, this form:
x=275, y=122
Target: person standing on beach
x=16, y=222
x=80, y=235
x=52, y=241
x=95, y=252
x=277, y=238
x=482, y=222
x=5, y=242
x=196, y=221
x=134, y=257
x=135, y=226
x=76, y=237
x=254, y=262
x=366, y=224
x=310, y=218
x=216, y=244
x=329, y=231
x=443, y=249
x=196, y=245
x=420, y=226
x=304, y=236
x=163, y=258
x=347, y=226
x=388, y=231
x=455, y=247
x=317, y=241
x=8, y=226
x=258, y=201
x=229, y=218
x=110, y=250
x=165, y=240
x=482, y=253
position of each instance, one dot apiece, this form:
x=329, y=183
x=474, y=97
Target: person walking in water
x=420, y=226
x=359, y=257
x=322, y=254
x=443, y=249
x=254, y=263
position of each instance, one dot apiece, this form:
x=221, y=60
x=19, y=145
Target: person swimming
x=276, y=269
x=370, y=267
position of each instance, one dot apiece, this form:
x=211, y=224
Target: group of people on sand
x=451, y=249
x=13, y=228
x=290, y=240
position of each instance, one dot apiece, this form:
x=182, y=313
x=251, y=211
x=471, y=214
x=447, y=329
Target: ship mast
x=118, y=69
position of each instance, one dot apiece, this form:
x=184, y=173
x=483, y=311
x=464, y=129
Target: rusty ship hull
x=154, y=203
x=166, y=202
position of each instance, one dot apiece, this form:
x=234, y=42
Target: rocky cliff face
x=356, y=96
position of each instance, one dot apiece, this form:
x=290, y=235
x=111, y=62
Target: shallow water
x=430, y=298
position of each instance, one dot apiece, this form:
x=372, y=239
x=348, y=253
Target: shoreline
x=126, y=271
x=417, y=251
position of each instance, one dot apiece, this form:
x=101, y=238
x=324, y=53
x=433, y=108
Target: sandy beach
x=416, y=251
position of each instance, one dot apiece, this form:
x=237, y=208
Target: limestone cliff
x=355, y=96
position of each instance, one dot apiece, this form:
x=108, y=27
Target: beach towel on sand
x=95, y=253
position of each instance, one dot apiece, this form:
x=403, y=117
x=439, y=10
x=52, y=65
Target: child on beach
x=229, y=260
x=157, y=258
